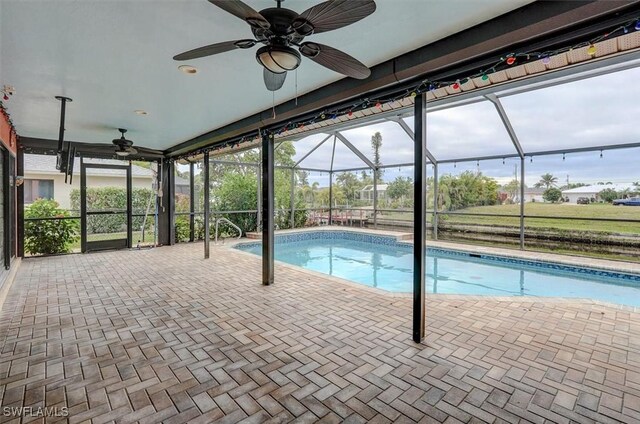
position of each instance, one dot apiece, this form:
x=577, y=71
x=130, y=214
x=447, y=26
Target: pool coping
x=452, y=297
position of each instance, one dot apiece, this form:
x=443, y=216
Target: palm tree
x=547, y=181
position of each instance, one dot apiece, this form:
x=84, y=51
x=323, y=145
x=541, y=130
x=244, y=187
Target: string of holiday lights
x=7, y=117
x=426, y=85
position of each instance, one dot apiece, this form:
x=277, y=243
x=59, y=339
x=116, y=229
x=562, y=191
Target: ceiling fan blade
x=335, y=60
x=333, y=14
x=212, y=49
x=131, y=150
x=273, y=81
x=242, y=11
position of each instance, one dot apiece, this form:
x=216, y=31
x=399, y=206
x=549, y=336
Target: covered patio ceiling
x=114, y=58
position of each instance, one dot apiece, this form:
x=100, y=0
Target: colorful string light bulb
x=591, y=50
x=511, y=60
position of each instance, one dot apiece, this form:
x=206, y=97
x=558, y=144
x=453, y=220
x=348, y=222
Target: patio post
x=375, y=197
x=522, y=161
x=436, y=193
x=166, y=228
x=192, y=203
x=267, y=208
x=259, y=195
x=333, y=156
x=419, y=216
x=20, y=201
x=293, y=193
x=207, y=206
x=330, y=198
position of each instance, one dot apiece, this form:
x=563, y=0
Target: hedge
x=115, y=198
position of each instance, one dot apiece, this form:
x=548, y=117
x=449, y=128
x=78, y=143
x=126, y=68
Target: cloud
x=592, y=112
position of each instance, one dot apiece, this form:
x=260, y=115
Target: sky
x=592, y=112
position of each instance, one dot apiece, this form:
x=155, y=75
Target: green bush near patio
x=50, y=236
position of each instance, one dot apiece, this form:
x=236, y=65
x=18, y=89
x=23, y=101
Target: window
x=37, y=189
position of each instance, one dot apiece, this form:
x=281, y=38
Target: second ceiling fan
x=281, y=29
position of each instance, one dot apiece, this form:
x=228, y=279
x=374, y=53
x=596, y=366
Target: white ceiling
x=113, y=57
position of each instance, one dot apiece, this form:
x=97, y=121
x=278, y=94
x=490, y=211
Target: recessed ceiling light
x=188, y=69
x=140, y=112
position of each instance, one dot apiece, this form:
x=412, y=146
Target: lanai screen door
x=105, y=224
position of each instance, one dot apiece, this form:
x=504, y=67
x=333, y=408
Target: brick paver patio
x=164, y=336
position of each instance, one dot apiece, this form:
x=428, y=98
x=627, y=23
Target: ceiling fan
x=281, y=29
x=124, y=146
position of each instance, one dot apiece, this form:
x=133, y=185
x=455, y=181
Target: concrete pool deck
x=163, y=335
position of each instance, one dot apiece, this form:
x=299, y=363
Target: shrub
x=49, y=236
x=115, y=198
x=609, y=195
x=182, y=228
x=552, y=195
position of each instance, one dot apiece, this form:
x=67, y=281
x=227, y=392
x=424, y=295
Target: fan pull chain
x=273, y=103
x=296, y=86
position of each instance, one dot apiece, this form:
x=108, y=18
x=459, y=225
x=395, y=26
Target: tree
x=303, y=177
x=512, y=189
x=350, y=185
x=552, y=195
x=573, y=185
x=234, y=188
x=547, y=181
x=400, y=188
x=322, y=196
x=609, y=195
x=365, y=178
x=464, y=190
x=376, y=144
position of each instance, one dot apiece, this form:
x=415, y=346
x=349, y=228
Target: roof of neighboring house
x=597, y=188
x=534, y=190
x=381, y=187
x=46, y=164
x=181, y=181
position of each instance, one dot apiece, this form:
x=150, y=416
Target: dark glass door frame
x=6, y=205
x=92, y=246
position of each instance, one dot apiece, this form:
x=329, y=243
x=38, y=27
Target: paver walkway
x=164, y=336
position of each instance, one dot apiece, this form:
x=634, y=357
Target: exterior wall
x=573, y=197
x=62, y=191
x=368, y=194
x=7, y=137
x=533, y=198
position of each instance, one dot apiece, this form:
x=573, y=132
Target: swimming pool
x=384, y=263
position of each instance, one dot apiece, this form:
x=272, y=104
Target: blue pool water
x=382, y=262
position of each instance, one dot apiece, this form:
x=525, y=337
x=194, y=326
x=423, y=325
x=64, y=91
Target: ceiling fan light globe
x=122, y=153
x=278, y=59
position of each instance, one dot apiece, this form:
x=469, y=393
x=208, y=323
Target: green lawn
x=548, y=210
x=558, y=211
x=136, y=235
